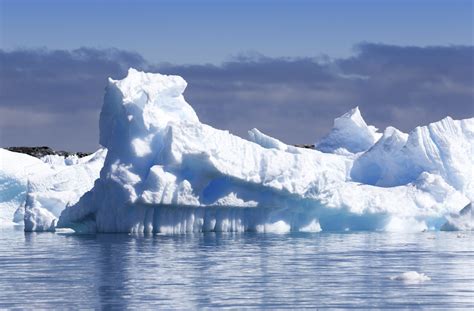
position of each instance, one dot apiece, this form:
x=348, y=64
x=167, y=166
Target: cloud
x=432, y=81
x=297, y=99
x=53, y=97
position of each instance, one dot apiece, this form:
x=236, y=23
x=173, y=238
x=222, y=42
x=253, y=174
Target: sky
x=211, y=31
x=286, y=67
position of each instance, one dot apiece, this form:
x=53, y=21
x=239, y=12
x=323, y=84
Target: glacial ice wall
x=165, y=171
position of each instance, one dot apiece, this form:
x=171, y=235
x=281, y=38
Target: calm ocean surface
x=199, y=271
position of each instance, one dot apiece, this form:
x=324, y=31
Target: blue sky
x=213, y=31
x=287, y=68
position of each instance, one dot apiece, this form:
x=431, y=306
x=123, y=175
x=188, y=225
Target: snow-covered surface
x=411, y=277
x=167, y=172
x=34, y=191
x=270, y=143
x=54, y=159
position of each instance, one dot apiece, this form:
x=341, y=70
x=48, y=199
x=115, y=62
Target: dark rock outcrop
x=39, y=152
x=307, y=146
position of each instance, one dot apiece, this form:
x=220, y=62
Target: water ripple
x=243, y=271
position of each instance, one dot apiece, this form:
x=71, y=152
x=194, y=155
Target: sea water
x=212, y=270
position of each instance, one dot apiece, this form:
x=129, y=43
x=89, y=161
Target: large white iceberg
x=165, y=171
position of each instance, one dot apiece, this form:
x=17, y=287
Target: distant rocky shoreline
x=42, y=151
x=306, y=146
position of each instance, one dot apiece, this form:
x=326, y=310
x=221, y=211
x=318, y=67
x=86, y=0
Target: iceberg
x=15, y=169
x=444, y=148
x=34, y=191
x=48, y=193
x=411, y=277
x=165, y=171
x=349, y=134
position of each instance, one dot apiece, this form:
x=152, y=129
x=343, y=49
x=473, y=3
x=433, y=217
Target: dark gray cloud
x=407, y=86
x=53, y=97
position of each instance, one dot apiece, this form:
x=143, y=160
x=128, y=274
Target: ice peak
x=350, y=132
x=152, y=85
x=145, y=103
x=393, y=134
x=354, y=115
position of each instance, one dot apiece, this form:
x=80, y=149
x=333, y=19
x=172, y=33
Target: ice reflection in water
x=234, y=270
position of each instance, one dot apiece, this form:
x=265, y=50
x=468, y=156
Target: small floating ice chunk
x=313, y=226
x=277, y=227
x=411, y=277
